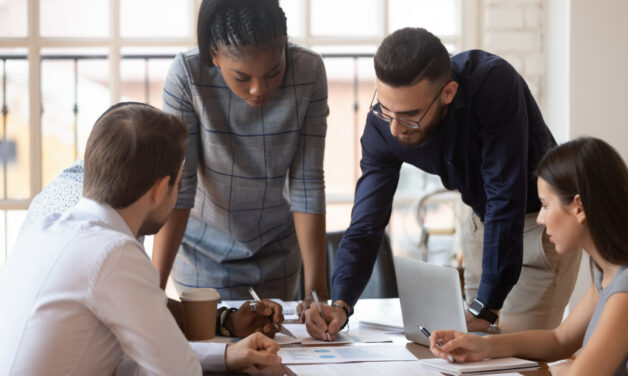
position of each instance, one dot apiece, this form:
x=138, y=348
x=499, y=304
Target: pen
x=280, y=328
x=320, y=310
x=428, y=335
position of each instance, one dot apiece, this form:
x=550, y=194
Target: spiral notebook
x=383, y=325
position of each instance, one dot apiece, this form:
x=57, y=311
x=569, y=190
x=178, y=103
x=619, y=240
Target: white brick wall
x=514, y=29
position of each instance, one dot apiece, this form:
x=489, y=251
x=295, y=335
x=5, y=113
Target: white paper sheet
x=488, y=365
x=409, y=368
x=344, y=354
x=304, y=338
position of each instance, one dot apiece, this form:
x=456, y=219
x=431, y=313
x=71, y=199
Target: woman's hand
x=462, y=346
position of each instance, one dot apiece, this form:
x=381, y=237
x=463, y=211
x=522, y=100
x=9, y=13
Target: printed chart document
x=304, y=337
x=473, y=368
x=410, y=368
x=344, y=354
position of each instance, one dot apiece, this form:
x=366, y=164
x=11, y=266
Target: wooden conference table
x=380, y=308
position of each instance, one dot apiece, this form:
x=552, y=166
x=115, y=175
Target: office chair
x=382, y=283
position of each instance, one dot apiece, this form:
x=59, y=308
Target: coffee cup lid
x=200, y=294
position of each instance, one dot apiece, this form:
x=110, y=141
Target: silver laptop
x=431, y=296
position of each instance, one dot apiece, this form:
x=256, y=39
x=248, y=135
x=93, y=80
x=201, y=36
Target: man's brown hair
x=410, y=55
x=130, y=147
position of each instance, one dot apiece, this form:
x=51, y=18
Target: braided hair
x=239, y=23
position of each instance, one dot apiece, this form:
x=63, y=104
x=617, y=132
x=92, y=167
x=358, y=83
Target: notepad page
x=405, y=368
x=501, y=364
x=391, y=326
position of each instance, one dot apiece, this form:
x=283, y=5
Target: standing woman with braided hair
x=252, y=202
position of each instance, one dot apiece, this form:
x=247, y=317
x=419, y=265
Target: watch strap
x=485, y=313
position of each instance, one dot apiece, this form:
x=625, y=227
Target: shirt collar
x=105, y=213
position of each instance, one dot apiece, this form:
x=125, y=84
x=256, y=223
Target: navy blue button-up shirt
x=487, y=147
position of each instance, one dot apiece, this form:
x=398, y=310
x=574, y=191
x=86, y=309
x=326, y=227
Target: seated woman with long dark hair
x=583, y=187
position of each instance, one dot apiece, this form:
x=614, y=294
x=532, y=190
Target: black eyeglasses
x=405, y=121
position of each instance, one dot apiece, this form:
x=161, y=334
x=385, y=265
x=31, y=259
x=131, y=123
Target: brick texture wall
x=514, y=29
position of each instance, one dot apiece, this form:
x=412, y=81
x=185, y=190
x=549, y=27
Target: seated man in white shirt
x=78, y=291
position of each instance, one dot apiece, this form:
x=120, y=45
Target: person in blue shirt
x=471, y=120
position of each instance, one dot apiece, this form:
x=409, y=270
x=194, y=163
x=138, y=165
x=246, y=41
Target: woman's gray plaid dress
x=246, y=170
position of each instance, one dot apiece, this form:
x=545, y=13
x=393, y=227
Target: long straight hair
x=591, y=168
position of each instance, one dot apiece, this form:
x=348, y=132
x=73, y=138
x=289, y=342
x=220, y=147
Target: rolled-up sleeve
x=501, y=106
x=307, y=182
x=177, y=100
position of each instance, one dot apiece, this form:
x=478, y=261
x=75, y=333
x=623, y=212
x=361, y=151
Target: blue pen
x=428, y=335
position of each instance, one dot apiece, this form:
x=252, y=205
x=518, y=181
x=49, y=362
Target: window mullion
x=468, y=21
x=34, y=94
x=307, y=23
x=384, y=8
x=114, y=52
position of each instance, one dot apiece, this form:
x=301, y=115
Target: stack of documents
x=476, y=368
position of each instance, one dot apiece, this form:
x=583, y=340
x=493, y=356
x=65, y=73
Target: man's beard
x=427, y=131
x=151, y=225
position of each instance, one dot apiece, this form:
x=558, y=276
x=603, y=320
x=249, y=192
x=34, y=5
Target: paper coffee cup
x=199, y=313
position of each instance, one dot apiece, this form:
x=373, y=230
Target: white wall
x=598, y=71
x=557, y=69
x=586, y=88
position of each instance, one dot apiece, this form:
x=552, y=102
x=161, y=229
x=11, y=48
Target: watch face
x=476, y=307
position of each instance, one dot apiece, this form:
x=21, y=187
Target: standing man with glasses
x=471, y=120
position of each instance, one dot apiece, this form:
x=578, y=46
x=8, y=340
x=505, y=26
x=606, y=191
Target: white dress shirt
x=78, y=291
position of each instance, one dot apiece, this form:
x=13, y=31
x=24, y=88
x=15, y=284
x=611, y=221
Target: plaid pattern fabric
x=246, y=170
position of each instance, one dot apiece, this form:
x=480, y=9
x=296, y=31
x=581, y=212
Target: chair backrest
x=382, y=283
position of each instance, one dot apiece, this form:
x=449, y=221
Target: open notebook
x=476, y=368
x=388, y=325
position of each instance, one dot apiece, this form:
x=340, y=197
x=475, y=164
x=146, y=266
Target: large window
x=63, y=62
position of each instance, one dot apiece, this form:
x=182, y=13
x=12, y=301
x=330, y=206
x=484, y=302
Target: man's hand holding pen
x=246, y=320
x=317, y=327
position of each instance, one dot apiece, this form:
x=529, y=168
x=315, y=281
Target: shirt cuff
x=340, y=292
x=211, y=356
x=184, y=203
x=493, y=296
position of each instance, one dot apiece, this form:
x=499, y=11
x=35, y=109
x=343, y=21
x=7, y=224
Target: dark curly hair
x=240, y=23
x=591, y=168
